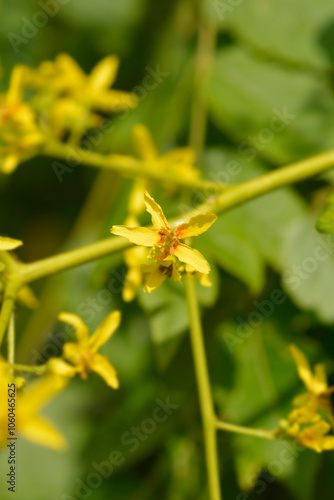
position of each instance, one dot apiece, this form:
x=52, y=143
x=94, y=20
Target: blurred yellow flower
x=20, y=136
x=65, y=78
x=83, y=354
x=164, y=240
x=28, y=402
x=316, y=383
x=315, y=437
x=179, y=162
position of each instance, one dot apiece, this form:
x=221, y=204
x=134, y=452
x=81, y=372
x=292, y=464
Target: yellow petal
x=103, y=333
x=196, y=225
x=143, y=143
x=101, y=365
x=113, y=100
x=304, y=371
x=41, y=431
x=38, y=393
x=104, y=73
x=320, y=375
x=7, y=243
x=328, y=443
x=154, y=279
x=27, y=297
x=14, y=94
x=158, y=219
x=9, y=164
x=80, y=327
x=139, y=235
x=204, y=279
x=136, y=199
x=192, y=257
x=180, y=156
x=59, y=367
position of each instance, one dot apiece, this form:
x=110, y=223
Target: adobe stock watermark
x=275, y=468
x=31, y=27
x=131, y=440
x=223, y=7
x=76, y=155
x=246, y=327
x=257, y=143
x=292, y=279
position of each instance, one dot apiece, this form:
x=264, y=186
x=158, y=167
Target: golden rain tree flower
x=65, y=78
x=315, y=437
x=316, y=383
x=180, y=162
x=20, y=135
x=29, y=401
x=82, y=355
x=164, y=241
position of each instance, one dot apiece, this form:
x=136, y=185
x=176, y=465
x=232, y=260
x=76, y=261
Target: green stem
x=203, y=383
x=11, y=342
x=238, y=429
x=232, y=197
x=8, y=305
x=67, y=260
x=39, y=370
x=126, y=166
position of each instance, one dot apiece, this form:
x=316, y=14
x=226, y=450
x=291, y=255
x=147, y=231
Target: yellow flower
x=65, y=78
x=83, y=354
x=180, y=161
x=164, y=240
x=157, y=273
x=314, y=437
x=316, y=383
x=134, y=258
x=20, y=136
x=28, y=403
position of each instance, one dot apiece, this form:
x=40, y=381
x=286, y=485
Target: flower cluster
x=169, y=257
x=65, y=103
x=312, y=417
x=80, y=357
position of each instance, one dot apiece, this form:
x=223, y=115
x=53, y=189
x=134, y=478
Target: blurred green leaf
x=270, y=111
x=325, y=222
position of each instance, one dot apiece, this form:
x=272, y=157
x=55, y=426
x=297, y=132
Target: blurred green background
x=272, y=59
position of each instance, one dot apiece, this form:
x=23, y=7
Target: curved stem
x=203, y=383
x=233, y=196
x=125, y=165
x=238, y=429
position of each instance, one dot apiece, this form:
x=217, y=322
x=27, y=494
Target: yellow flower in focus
x=315, y=437
x=157, y=273
x=29, y=401
x=164, y=240
x=134, y=258
x=20, y=136
x=83, y=354
x=65, y=78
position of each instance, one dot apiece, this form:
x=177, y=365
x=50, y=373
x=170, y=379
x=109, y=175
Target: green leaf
x=325, y=222
x=279, y=114
x=309, y=268
x=243, y=240
x=298, y=31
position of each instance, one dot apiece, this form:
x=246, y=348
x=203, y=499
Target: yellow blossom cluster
x=311, y=420
x=64, y=104
x=169, y=257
